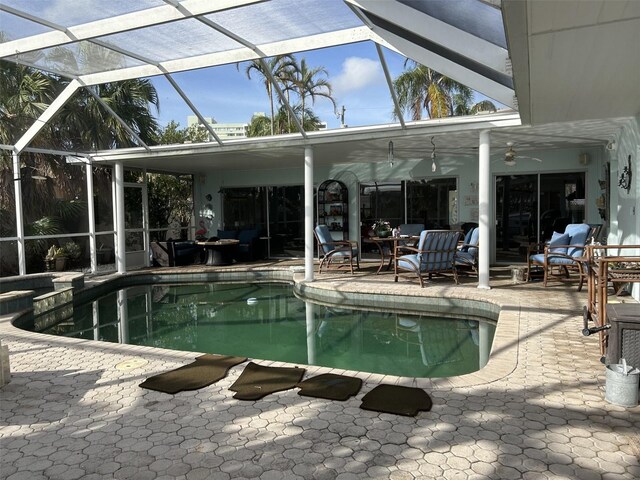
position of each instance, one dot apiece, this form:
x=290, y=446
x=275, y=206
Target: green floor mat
x=406, y=401
x=257, y=381
x=206, y=370
x=330, y=386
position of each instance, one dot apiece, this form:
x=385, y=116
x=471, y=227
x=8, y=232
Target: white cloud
x=357, y=73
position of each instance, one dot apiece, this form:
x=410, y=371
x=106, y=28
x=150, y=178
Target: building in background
x=223, y=130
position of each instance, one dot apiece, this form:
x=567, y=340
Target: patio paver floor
x=69, y=412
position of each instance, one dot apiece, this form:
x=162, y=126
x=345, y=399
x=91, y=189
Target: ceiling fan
x=510, y=156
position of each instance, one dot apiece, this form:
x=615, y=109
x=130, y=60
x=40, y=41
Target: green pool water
x=267, y=322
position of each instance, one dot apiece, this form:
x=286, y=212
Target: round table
x=220, y=252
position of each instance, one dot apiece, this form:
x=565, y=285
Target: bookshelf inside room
x=333, y=208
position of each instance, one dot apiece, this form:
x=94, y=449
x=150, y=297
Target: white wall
x=465, y=169
x=625, y=207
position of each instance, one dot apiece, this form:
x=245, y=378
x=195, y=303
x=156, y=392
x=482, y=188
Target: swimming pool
x=267, y=321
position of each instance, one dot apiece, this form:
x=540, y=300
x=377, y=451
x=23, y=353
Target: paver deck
x=73, y=409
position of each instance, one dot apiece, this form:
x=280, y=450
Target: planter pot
x=49, y=265
x=384, y=233
x=61, y=263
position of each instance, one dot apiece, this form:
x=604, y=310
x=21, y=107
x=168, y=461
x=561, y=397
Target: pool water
x=267, y=322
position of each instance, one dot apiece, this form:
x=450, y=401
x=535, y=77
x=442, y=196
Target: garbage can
x=622, y=383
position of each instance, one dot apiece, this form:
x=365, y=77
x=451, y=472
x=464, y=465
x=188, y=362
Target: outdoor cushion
x=409, y=262
x=247, y=236
x=578, y=233
x=228, y=234
x=559, y=239
x=473, y=240
x=555, y=260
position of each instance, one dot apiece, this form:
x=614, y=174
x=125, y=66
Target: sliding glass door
x=529, y=208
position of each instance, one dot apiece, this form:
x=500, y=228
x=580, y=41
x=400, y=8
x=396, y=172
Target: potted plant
x=381, y=228
x=59, y=258
x=72, y=251
x=50, y=258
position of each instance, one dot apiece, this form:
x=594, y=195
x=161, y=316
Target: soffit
x=574, y=60
x=369, y=145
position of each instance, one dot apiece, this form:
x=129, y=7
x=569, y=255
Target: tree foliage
x=421, y=90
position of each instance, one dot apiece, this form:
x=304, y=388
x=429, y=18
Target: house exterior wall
x=463, y=168
x=625, y=206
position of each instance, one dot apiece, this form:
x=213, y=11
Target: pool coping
x=503, y=358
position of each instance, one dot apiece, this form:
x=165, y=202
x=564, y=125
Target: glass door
x=529, y=208
x=516, y=213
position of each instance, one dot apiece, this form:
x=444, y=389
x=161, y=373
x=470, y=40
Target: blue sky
x=226, y=94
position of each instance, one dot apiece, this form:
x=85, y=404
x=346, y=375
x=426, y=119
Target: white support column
x=92, y=218
x=145, y=221
x=484, y=183
x=121, y=263
x=311, y=332
x=17, y=196
x=308, y=214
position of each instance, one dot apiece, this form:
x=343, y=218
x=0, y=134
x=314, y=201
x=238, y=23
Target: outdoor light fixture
x=390, y=155
x=434, y=167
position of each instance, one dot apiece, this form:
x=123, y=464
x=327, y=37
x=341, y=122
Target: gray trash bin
x=622, y=383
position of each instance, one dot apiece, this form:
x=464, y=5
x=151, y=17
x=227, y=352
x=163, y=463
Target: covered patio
x=552, y=114
x=566, y=73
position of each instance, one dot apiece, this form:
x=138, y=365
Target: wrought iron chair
x=433, y=255
x=330, y=250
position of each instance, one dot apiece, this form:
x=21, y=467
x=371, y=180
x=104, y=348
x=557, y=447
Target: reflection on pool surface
x=266, y=321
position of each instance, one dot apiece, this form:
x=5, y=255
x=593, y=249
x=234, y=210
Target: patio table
x=390, y=243
x=220, y=251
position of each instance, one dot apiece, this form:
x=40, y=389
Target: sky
x=226, y=94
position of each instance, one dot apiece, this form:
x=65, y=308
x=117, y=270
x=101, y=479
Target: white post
x=311, y=332
x=92, y=219
x=145, y=221
x=484, y=344
x=121, y=263
x=484, y=208
x=308, y=214
x=17, y=195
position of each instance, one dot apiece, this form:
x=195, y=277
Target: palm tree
x=259, y=125
x=82, y=123
x=306, y=82
x=423, y=89
x=280, y=67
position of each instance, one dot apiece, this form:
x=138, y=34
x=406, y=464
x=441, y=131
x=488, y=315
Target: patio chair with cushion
x=564, y=252
x=411, y=229
x=467, y=253
x=343, y=252
x=433, y=255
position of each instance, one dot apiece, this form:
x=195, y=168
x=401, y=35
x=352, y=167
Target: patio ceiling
x=454, y=138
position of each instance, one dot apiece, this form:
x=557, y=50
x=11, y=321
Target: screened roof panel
x=68, y=13
x=170, y=41
x=13, y=27
x=77, y=59
x=286, y=19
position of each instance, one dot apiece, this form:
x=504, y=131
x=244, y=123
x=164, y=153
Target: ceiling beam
x=47, y=115
x=392, y=90
x=322, y=40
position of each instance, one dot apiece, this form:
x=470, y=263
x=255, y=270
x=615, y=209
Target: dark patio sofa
x=173, y=253
x=249, y=247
